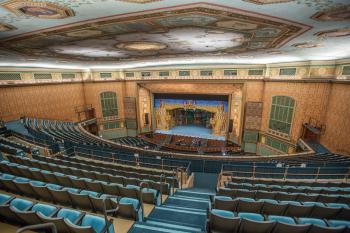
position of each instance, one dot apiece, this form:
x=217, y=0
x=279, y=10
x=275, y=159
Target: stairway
x=183, y=212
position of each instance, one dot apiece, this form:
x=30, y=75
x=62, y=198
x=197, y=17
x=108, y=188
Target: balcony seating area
x=21, y=211
x=134, y=141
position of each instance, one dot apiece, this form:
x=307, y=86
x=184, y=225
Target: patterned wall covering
x=253, y=114
x=130, y=108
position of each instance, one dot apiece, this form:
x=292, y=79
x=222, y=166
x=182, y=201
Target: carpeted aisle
x=185, y=211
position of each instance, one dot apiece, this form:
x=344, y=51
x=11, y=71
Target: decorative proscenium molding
x=46, y=10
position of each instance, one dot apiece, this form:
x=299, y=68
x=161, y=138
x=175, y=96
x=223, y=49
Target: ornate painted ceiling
x=135, y=33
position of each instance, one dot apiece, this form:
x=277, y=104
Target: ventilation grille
x=346, y=70
x=129, y=74
x=145, y=74
x=258, y=72
x=163, y=73
x=10, y=76
x=42, y=76
x=230, y=72
x=68, y=76
x=106, y=75
x=184, y=73
x=288, y=71
x=206, y=72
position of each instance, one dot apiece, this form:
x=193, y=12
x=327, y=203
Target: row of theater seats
x=223, y=221
x=11, y=150
x=148, y=195
x=95, y=171
x=283, y=208
x=289, y=182
x=119, y=169
x=18, y=146
x=68, y=196
x=284, y=196
x=290, y=188
x=96, y=180
x=24, y=212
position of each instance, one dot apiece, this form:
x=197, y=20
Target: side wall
x=55, y=101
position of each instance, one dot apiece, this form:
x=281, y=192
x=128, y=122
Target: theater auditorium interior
x=175, y=116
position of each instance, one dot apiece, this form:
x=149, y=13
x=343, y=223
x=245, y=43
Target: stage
x=191, y=131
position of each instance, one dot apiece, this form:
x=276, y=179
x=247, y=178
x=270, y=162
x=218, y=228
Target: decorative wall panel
x=253, y=114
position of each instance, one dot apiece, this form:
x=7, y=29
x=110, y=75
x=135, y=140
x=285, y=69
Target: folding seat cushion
x=245, y=193
x=338, y=223
x=313, y=221
x=92, y=224
x=283, y=219
x=81, y=201
x=249, y=205
x=8, y=211
x=298, y=210
x=4, y=199
x=264, y=195
x=270, y=207
x=129, y=207
x=149, y=195
x=61, y=197
x=223, y=222
x=282, y=227
x=95, y=186
x=225, y=203
x=337, y=205
x=24, y=187
x=111, y=189
x=249, y=226
x=54, y=186
x=63, y=215
x=90, y=193
x=32, y=217
x=251, y=216
x=6, y=181
x=326, y=212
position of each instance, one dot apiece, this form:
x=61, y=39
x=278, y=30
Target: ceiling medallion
x=334, y=33
x=46, y=10
x=306, y=45
x=140, y=1
x=263, y=2
x=6, y=27
x=338, y=14
x=141, y=46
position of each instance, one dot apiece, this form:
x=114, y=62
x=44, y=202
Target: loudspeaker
x=146, y=119
x=230, y=126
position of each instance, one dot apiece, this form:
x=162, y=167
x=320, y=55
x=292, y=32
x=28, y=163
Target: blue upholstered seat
x=314, y=221
x=337, y=205
x=21, y=204
x=90, y=193
x=132, y=201
x=130, y=186
x=96, y=222
x=71, y=190
x=290, y=202
x=37, y=183
x=4, y=198
x=269, y=201
x=223, y=198
x=308, y=203
x=44, y=209
x=282, y=219
x=246, y=199
x=338, y=223
x=69, y=214
x=21, y=180
x=251, y=216
x=148, y=190
x=7, y=176
x=54, y=186
x=223, y=213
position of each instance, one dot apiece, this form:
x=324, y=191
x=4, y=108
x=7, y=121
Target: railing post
x=285, y=173
x=173, y=188
x=161, y=188
x=181, y=178
x=254, y=168
x=318, y=173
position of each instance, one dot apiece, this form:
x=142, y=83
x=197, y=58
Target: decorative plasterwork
x=6, y=27
x=140, y=1
x=338, y=14
x=263, y=2
x=141, y=46
x=306, y=45
x=186, y=31
x=45, y=10
x=334, y=33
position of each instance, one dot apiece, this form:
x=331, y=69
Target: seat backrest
x=69, y=214
x=44, y=209
x=21, y=204
x=97, y=223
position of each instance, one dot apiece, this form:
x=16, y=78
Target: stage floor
x=191, y=131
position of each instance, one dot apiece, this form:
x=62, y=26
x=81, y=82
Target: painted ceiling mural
x=87, y=32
